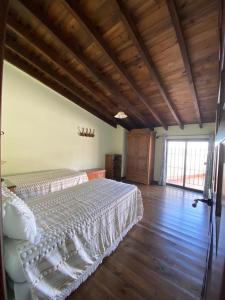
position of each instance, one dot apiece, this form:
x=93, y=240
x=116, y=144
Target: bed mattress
x=78, y=227
x=33, y=184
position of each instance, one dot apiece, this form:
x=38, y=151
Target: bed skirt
x=22, y=291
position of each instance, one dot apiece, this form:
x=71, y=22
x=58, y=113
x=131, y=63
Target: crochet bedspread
x=78, y=227
x=41, y=183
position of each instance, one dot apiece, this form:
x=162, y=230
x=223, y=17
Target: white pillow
x=18, y=220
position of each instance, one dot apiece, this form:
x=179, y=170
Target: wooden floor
x=161, y=258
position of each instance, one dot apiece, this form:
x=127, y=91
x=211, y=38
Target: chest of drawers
x=95, y=173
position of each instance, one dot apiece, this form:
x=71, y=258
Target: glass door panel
x=196, y=160
x=175, y=162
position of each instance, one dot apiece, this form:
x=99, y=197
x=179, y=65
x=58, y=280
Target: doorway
x=186, y=163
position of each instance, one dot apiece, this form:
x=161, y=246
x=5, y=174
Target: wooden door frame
x=4, y=6
x=219, y=138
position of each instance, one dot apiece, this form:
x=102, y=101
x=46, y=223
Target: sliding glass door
x=186, y=163
x=175, y=162
x=196, y=159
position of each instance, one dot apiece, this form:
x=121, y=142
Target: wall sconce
x=86, y=132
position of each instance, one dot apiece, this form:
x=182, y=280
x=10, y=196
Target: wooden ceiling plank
x=51, y=55
x=185, y=55
x=10, y=43
x=78, y=55
x=86, y=103
x=17, y=61
x=18, y=29
x=84, y=21
x=140, y=45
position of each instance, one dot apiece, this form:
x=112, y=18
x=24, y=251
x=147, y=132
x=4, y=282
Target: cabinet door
x=131, y=157
x=142, y=158
x=109, y=166
x=138, y=158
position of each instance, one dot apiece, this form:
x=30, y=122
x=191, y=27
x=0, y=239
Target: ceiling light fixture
x=120, y=115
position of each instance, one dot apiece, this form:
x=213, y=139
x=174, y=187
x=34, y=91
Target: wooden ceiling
x=157, y=60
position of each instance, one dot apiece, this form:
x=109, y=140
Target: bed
x=33, y=184
x=77, y=228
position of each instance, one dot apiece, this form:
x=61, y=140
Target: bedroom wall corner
x=41, y=129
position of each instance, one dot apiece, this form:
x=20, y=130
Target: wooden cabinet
x=113, y=163
x=140, y=156
x=95, y=173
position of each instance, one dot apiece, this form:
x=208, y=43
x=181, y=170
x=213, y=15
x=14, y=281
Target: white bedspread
x=79, y=227
x=41, y=183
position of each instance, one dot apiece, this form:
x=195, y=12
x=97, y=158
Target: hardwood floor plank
x=177, y=240
x=154, y=277
x=162, y=269
x=164, y=243
x=119, y=288
x=174, y=258
x=180, y=235
x=161, y=258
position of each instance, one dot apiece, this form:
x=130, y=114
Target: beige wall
x=41, y=129
x=174, y=132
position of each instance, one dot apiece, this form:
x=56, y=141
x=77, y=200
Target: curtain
x=162, y=179
x=209, y=167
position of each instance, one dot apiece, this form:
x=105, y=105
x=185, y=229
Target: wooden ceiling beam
x=41, y=47
x=98, y=39
x=185, y=55
x=28, y=66
x=37, y=63
x=21, y=31
x=140, y=45
x=78, y=55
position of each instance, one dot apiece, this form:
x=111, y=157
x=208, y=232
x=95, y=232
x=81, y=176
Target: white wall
x=174, y=132
x=41, y=129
